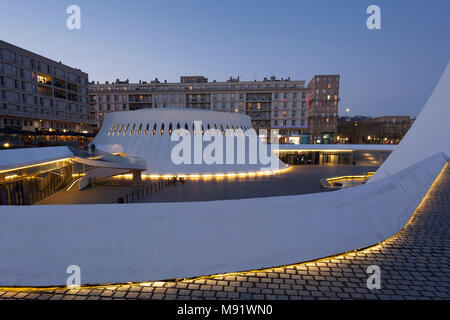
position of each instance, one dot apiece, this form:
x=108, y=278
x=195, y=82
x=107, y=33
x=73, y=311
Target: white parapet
x=116, y=243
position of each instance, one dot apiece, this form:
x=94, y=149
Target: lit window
x=110, y=130
x=115, y=129
x=154, y=129
x=146, y=129
x=139, y=129
x=126, y=129
x=162, y=129
x=178, y=128
x=170, y=128
x=186, y=128
x=132, y=129
x=120, y=130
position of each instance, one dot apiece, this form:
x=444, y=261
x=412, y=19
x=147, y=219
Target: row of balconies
x=47, y=115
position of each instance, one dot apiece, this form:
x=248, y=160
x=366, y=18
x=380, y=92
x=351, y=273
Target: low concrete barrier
x=142, y=242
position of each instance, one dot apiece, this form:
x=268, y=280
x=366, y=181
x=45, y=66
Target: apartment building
x=38, y=94
x=271, y=103
x=323, y=108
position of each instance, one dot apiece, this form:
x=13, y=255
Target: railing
x=142, y=192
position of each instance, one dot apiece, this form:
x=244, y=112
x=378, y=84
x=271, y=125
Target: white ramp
x=429, y=134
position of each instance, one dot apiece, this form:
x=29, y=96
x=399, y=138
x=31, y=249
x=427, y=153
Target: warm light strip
x=339, y=255
x=34, y=165
x=206, y=175
x=76, y=175
x=346, y=177
x=315, y=150
x=364, y=176
x=73, y=184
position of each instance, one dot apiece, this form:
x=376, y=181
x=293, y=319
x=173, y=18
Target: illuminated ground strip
x=208, y=175
x=239, y=273
x=363, y=176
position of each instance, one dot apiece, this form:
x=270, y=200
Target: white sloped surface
x=142, y=242
x=15, y=158
x=429, y=134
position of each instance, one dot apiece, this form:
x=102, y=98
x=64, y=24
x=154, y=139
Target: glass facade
x=315, y=157
x=29, y=185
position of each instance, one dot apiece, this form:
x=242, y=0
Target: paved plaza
x=414, y=265
x=299, y=179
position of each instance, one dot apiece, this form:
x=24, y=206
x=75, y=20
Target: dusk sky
x=391, y=71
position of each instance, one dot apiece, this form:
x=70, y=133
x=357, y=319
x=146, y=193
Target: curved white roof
x=16, y=158
x=146, y=133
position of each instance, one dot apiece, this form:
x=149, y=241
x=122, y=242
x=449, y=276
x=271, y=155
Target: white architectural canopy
x=187, y=142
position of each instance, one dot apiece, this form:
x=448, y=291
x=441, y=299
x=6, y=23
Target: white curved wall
x=142, y=242
x=156, y=148
x=429, y=133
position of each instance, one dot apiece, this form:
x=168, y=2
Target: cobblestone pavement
x=414, y=265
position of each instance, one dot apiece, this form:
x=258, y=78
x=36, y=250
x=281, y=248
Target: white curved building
x=188, y=142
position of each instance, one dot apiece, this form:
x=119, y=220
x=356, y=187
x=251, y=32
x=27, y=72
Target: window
x=115, y=129
x=162, y=129
x=146, y=129
x=110, y=130
x=170, y=128
x=186, y=127
x=126, y=129
x=178, y=128
x=154, y=129
x=132, y=129
x=120, y=130
x=139, y=129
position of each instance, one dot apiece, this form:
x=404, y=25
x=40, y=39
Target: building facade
x=378, y=130
x=323, y=108
x=38, y=94
x=282, y=104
